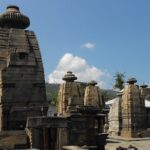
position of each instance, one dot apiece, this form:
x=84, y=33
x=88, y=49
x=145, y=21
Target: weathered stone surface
x=92, y=95
x=115, y=117
x=133, y=111
x=128, y=115
x=13, y=18
x=10, y=139
x=22, y=85
x=69, y=95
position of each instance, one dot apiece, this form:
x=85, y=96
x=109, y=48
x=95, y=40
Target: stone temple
x=128, y=116
x=23, y=109
x=22, y=90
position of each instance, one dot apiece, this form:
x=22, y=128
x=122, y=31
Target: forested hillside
x=52, y=92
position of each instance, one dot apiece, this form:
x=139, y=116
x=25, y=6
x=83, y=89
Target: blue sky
x=106, y=35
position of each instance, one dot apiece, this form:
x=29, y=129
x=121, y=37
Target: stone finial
x=12, y=8
x=92, y=82
x=13, y=18
x=131, y=80
x=69, y=77
x=144, y=86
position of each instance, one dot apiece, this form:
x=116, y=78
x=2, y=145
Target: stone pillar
x=77, y=129
x=101, y=141
x=115, y=118
x=101, y=122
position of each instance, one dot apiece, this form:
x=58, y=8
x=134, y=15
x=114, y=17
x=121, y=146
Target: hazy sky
x=93, y=38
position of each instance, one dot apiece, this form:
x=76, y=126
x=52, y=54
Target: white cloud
x=88, y=45
x=80, y=68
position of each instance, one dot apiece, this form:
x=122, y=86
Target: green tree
x=119, y=80
x=54, y=96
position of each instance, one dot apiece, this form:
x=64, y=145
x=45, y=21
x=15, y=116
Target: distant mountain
x=52, y=92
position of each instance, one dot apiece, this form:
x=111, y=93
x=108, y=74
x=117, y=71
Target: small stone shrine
x=128, y=116
x=92, y=95
x=69, y=95
x=133, y=111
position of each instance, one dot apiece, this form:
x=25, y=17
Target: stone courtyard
x=141, y=144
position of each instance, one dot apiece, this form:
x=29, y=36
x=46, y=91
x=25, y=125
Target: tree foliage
x=108, y=94
x=119, y=80
x=54, y=98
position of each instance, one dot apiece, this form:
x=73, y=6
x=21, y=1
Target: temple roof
x=13, y=18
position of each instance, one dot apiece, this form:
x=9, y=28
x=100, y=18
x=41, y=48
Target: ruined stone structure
x=128, y=116
x=75, y=123
x=115, y=117
x=22, y=90
x=81, y=114
x=92, y=95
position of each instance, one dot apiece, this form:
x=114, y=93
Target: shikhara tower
x=22, y=90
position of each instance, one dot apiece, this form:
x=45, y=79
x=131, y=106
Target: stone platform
x=13, y=139
x=143, y=144
x=121, y=139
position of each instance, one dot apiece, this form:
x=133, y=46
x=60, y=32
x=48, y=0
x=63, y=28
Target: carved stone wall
x=115, y=120
x=22, y=84
x=69, y=96
x=133, y=111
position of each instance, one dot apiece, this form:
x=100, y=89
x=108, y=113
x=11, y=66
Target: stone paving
x=141, y=145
